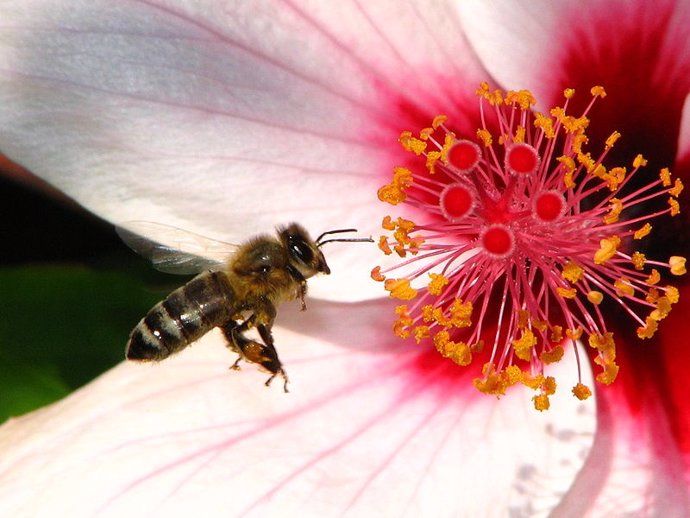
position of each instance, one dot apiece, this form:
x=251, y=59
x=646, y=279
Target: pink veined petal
x=364, y=431
x=527, y=46
x=684, y=135
x=226, y=118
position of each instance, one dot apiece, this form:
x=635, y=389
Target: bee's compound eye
x=300, y=250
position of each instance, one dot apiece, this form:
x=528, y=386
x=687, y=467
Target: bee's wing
x=173, y=250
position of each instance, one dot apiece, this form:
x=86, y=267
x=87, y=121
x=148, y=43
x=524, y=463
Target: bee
x=236, y=294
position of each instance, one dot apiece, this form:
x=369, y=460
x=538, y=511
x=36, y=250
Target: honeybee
x=238, y=290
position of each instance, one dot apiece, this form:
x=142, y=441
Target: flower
x=229, y=117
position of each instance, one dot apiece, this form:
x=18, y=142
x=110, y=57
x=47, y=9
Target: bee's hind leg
x=252, y=351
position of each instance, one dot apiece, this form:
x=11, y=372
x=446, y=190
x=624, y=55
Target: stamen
x=528, y=236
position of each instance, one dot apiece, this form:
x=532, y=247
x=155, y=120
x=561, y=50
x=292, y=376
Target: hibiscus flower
x=226, y=118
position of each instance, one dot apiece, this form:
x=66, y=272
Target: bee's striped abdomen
x=184, y=316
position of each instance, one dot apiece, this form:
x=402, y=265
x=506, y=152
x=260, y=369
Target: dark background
x=70, y=293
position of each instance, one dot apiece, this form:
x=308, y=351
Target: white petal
x=225, y=118
x=366, y=430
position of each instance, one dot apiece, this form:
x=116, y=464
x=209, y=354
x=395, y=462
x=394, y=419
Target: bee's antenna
x=320, y=243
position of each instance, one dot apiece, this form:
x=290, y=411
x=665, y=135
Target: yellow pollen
x=642, y=231
x=541, y=402
x=377, y=275
x=460, y=313
x=384, y=246
x=614, y=211
x=485, y=137
x=639, y=161
x=665, y=176
x=581, y=391
x=649, y=328
x=545, y=124
x=567, y=293
x=523, y=346
x=431, y=158
x=675, y=207
x=677, y=188
x=574, y=334
x=410, y=143
x=394, y=192
x=426, y=133
x=459, y=352
x=638, y=259
x=552, y=356
x=624, y=288
x=519, y=134
x=568, y=93
x=556, y=333
x=388, y=223
x=572, y=272
x=673, y=294
x=402, y=325
x=437, y=283
x=608, y=248
x=598, y=91
x=654, y=277
x=438, y=121
x=613, y=138
x=663, y=308
x=595, y=297
x=400, y=289
x=420, y=333
x=677, y=265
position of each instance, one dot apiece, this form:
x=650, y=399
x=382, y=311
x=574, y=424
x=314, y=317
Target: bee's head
x=305, y=253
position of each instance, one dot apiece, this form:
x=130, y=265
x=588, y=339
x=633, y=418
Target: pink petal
x=229, y=117
x=365, y=430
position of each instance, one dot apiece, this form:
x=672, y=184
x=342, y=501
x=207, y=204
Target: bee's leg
x=252, y=351
x=264, y=316
x=302, y=291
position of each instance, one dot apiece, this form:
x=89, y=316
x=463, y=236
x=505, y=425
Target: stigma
x=530, y=239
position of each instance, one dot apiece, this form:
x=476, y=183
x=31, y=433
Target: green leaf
x=61, y=326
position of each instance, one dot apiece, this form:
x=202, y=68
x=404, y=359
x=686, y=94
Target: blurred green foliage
x=61, y=326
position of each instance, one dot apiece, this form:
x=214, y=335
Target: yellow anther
x=663, y=308
x=485, y=137
x=388, y=223
x=394, y=192
x=665, y=176
x=638, y=259
x=595, y=297
x=608, y=248
x=603, y=343
x=384, y=246
x=556, y=333
x=675, y=207
x=402, y=325
x=677, y=188
x=568, y=93
x=448, y=142
x=377, y=275
x=613, y=138
x=639, y=161
x=677, y=265
x=437, y=283
x=519, y=134
x=673, y=294
x=615, y=209
x=412, y=144
x=438, y=121
x=574, y=334
x=420, y=333
x=643, y=231
x=624, y=288
x=572, y=272
x=523, y=345
x=566, y=293
x=648, y=330
x=567, y=162
x=522, y=98
x=598, y=91
x=431, y=158
x=654, y=277
x=460, y=313
x=549, y=385
x=581, y=391
x=552, y=356
x=533, y=382
x=459, y=352
x=400, y=289
x=425, y=133
x=541, y=402
x=545, y=124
